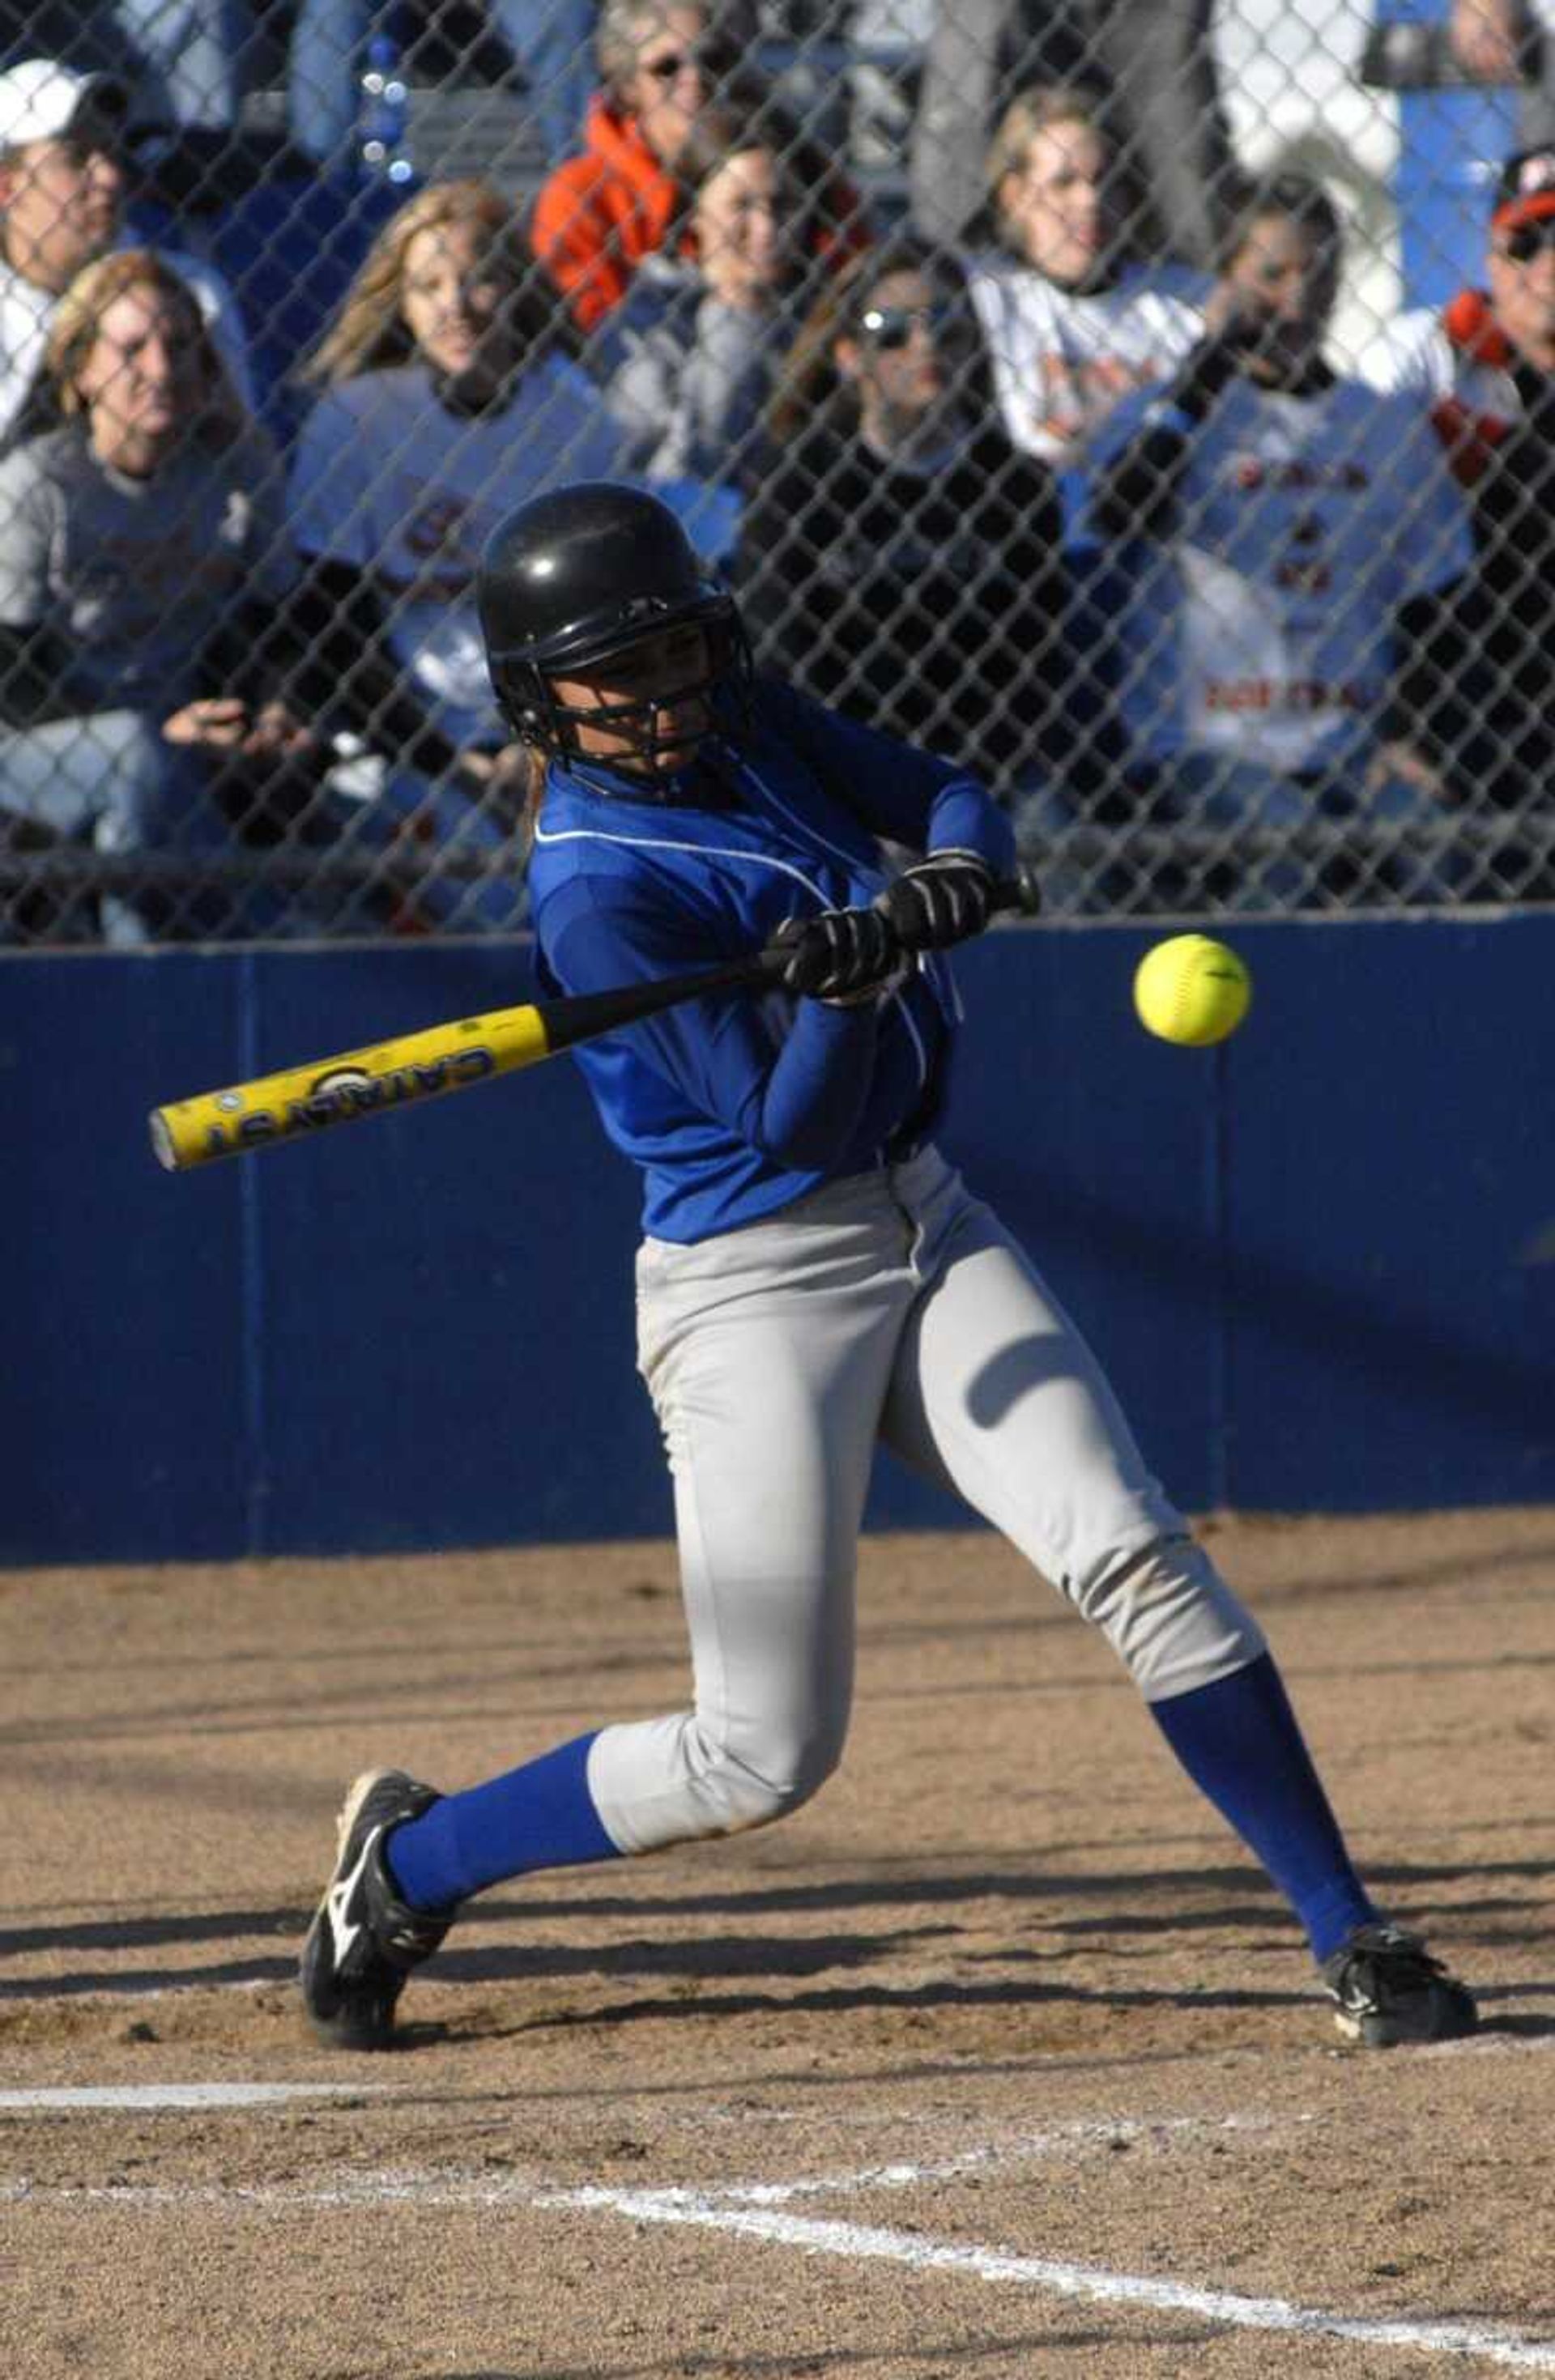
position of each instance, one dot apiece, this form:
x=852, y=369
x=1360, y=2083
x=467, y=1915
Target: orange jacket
x=598, y=215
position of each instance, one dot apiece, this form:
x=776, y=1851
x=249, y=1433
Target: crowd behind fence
x=1038, y=410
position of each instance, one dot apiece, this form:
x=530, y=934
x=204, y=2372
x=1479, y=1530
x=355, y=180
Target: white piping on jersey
x=762, y=859
x=667, y=842
x=915, y=1037
x=800, y=826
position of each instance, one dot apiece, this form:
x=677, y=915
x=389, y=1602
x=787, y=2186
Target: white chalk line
x=714, y=2210
x=152, y=2098
x=868, y=2242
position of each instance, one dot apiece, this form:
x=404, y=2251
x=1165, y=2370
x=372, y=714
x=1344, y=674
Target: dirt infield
x=998, y=2059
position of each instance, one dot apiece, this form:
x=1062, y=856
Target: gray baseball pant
x=895, y=1309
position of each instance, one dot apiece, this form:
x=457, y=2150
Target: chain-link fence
x=1151, y=404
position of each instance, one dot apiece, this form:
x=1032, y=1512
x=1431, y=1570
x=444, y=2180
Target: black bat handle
x=1022, y=891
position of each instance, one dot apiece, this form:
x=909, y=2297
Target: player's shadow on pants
x=1017, y=1369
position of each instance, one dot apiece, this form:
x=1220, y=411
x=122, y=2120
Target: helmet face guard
x=574, y=581
x=526, y=687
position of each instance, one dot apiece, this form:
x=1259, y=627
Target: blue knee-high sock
x=1240, y=1743
x=540, y=1815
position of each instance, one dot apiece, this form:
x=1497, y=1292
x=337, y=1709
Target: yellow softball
x=1191, y=991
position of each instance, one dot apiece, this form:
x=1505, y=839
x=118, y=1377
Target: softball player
x=814, y=1278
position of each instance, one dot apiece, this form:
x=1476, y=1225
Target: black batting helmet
x=573, y=579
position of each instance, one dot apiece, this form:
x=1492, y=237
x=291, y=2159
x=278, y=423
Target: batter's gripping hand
x=944, y=899
x=843, y=955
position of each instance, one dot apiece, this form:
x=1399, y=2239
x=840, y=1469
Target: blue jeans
x=109, y=782
x=553, y=40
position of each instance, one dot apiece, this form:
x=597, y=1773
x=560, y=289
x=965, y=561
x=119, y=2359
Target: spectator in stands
x=1500, y=41
x=688, y=360
x=551, y=40
x=62, y=189
x=1285, y=663
x=1073, y=320
x=902, y=560
x=448, y=398
x=623, y=199
x=144, y=569
x=1485, y=368
x=1147, y=69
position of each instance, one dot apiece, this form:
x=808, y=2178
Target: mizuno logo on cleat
x=337, y=1900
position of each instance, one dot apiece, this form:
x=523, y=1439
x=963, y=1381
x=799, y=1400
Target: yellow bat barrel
x=452, y=1057
x=448, y=1056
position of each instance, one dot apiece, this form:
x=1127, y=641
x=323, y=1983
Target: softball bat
x=448, y=1056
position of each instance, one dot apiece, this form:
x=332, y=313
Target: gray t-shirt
x=136, y=575
x=688, y=377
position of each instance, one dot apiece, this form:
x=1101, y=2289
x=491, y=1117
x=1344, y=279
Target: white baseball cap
x=40, y=99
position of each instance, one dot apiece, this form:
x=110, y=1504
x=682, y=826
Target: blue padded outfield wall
x=1319, y=1262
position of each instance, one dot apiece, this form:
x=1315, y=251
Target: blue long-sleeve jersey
x=737, y=1105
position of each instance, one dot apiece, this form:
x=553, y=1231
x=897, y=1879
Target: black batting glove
x=843, y=955
x=944, y=899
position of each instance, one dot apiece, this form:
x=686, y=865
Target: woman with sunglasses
x=1483, y=366
x=901, y=559
x=815, y=1281
x=625, y=198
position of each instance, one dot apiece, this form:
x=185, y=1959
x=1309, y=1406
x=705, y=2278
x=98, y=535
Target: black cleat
x=1386, y=1988
x=365, y=1939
